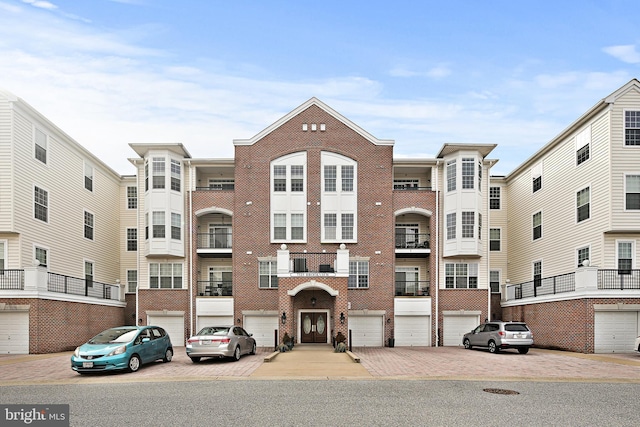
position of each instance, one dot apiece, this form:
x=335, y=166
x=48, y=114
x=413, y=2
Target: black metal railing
x=76, y=286
x=413, y=241
x=412, y=288
x=218, y=187
x=311, y=262
x=409, y=187
x=11, y=279
x=217, y=240
x=545, y=286
x=619, y=279
x=213, y=288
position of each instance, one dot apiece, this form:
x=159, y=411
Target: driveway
x=408, y=363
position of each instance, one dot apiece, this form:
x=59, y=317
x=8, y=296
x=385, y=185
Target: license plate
x=87, y=364
x=206, y=342
x=518, y=336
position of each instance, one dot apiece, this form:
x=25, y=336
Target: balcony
x=412, y=288
x=11, y=279
x=414, y=244
x=309, y=262
x=214, y=243
x=212, y=288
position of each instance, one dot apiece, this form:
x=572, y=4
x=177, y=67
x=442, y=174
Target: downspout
x=437, y=284
x=190, y=269
x=488, y=214
x=138, y=251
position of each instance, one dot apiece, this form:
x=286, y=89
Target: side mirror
x=146, y=339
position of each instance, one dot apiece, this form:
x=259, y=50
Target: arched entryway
x=314, y=306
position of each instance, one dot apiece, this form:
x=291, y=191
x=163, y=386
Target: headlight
x=118, y=350
x=76, y=353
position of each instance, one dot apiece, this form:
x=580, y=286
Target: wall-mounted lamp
x=342, y=318
x=388, y=320
x=238, y=321
x=284, y=318
x=313, y=301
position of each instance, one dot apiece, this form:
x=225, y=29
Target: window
x=347, y=226
x=280, y=226
x=88, y=177
x=582, y=204
x=41, y=204
x=625, y=257
x=479, y=176
x=494, y=197
x=41, y=144
x=583, y=144
x=297, y=226
x=132, y=280
x=176, y=226
x=451, y=175
x=330, y=226
x=537, y=183
x=146, y=175
x=583, y=255
x=297, y=178
x=88, y=274
x=537, y=273
x=451, y=226
x=132, y=197
x=41, y=256
x=220, y=281
x=494, y=281
x=358, y=274
x=2, y=256
x=88, y=225
x=330, y=176
x=461, y=276
x=536, y=176
x=268, y=274
x=347, y=178
x=279, y=178
x=158, y=172
x=407, y=281
x=146, y=226
x=175, y=175
x=632, y=192
x=632, y=128
x=467, y=173
x=406, y=184
x=582, y=154
x=165, y=276
x=494, y=239
x=158, y=225
x=467, y=224
x=132, y=239
x=537, y=225
x=479, y=226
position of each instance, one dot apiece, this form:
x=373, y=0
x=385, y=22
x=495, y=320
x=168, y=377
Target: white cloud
x=437, y=72
x=41, y=4
x=625, y=53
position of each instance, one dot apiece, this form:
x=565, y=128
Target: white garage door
x=213, y=321
x=14, y=332
x=366, y=331
x=412, y=331
x=615, y=331
x=454, y=327
x=262, y=328
x=174, y=325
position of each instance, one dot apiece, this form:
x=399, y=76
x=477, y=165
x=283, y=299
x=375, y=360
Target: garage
x=413, y=331
x=14, y=332
x=615, y=331
x=454, y=326
x=213, y=321
x=366, y=331
x=172, y=323
x=263, y=329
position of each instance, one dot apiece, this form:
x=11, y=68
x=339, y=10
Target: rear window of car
x=214, y=331
x=516, y=327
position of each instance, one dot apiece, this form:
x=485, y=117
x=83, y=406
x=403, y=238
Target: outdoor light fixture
x=342, y=318
x=284, y=318
x=313, y=301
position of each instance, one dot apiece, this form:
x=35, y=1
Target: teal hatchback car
x=122, y=348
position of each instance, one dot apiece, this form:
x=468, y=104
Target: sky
x=422, y=73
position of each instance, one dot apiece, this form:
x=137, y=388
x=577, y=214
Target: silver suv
x=499, y=335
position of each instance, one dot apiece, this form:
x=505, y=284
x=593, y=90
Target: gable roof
x=314, y=101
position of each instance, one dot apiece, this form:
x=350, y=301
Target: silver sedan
x=220, y=341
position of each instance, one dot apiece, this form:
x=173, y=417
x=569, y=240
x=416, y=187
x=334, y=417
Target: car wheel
x=134, y=363
x=467, y=344
x=236, y=354
x=195, y=359
x=253, y=349
x=493, y=348
x=168, y=355
x=523, y=350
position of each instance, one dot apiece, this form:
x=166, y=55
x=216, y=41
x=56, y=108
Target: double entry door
x=314, y=327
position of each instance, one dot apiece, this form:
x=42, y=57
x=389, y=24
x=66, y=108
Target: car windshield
x=516, y=327
x=214, y=330
x=114, y=336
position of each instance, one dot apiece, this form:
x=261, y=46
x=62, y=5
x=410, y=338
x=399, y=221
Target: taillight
x=192, y=340
x=224, y=340
x=501, y=333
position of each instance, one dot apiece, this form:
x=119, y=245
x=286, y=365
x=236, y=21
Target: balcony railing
x=11, y=279
x=213, y=288
x=217, y=240
x=545, y=286
x=413, y=241
x=412, y=288
x=619, y=279
x=75, y=286
x=310, y=262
